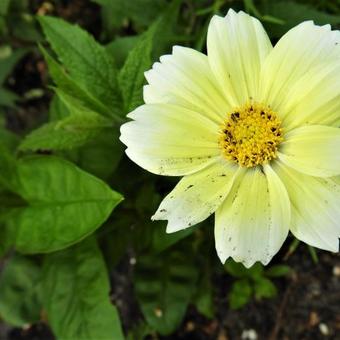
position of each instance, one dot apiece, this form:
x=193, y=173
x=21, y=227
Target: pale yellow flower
x=254, y=131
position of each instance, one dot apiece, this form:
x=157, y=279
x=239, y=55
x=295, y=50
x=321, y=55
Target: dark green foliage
x=164, y=286
x=252, y=282
x=75, y=294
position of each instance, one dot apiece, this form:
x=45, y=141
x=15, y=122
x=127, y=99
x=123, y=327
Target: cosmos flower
x=254, y=131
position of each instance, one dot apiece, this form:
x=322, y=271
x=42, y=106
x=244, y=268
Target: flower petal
x=298, y=51
x=252, y=223
x=315, y=207
x=185, y=78
x=313, y=150
x=314, y=98
x=237, y=46
x=197, y=196
x=170, y=140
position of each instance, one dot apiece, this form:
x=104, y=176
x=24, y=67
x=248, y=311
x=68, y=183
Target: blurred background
x=296, y=297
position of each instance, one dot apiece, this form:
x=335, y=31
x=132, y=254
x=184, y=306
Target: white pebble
x=249, y=334
x=336, y=271
x=324, y=329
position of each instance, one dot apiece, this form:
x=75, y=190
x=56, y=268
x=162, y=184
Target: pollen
x=250, y=135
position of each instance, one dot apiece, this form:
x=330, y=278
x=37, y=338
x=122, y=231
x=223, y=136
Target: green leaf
x=255, y=271
x=65, y=204
x=203, y=298
x=142, y=12
x=76, y=294
x=100, y=156
x=69, y=86
x=7, y=98
x=139, y=331
x=292, y=13
x=166, y=36
x=77, y=129
x=164, y=286
x=8, y=144
x=264, y=288
x=8, y=139
x=24, y=27
x=278, y=270
x=131, y=77
x=6, y=241
x=58, y=110
x=240, y=293
x=236, y=269
x=19, y=298
x=4, y=6
x=88, y=63
x=7, y=167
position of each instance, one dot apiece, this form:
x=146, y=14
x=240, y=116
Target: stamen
x=251, y=135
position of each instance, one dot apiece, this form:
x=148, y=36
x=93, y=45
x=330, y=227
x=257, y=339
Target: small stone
x=222, y=335
x=133, y=261
x=324, y=329
x=249, y=334
x=313, y=319
x=190, y=326
x=336, y=271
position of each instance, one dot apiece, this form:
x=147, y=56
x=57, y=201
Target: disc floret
x=250, y=135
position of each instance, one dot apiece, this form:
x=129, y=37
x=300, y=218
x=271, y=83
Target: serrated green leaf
x=58, y=109
x=88, y=63
x=75, y=130
x=65, y=204
x=131, y=76
x=240, y=293
x=76, y=294
x=19, y=298
x=164, y=286
x=69, y=86
x=69, y=133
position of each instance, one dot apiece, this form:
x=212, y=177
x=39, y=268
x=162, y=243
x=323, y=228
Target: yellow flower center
x=251, y=135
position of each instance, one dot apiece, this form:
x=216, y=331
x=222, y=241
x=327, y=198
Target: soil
x=308, y=302
x=307, y=306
